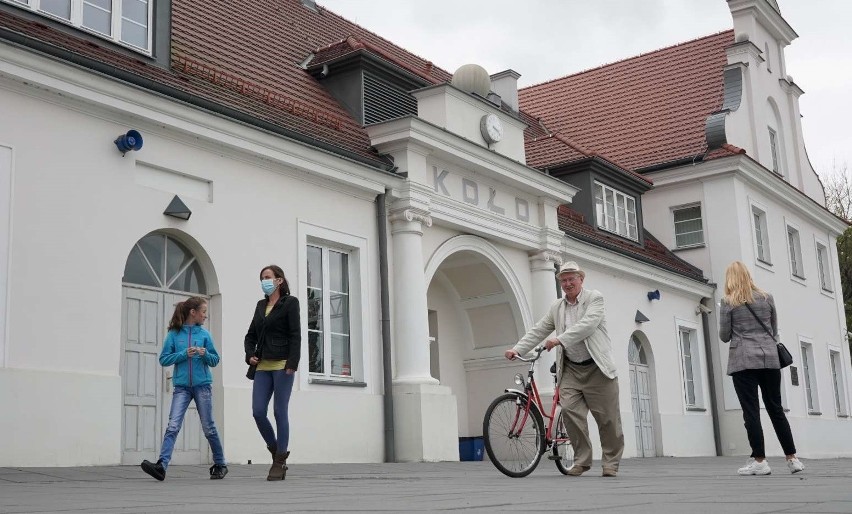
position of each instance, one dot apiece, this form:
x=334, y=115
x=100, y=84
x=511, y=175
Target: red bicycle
x=514, y=431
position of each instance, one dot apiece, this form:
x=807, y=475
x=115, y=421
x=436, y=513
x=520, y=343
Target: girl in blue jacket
x=189, y=347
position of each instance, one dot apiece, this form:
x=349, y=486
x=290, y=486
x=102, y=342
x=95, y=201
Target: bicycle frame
x=533, y=401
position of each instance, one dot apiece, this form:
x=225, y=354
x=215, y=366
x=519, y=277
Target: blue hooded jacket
x=189, y=371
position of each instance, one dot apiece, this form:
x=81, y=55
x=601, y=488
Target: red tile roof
x=639, y=112
x=252, y=66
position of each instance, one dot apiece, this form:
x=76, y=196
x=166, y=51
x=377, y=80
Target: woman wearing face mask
x=272, y=344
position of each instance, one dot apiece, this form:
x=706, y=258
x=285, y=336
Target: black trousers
x=746, y=383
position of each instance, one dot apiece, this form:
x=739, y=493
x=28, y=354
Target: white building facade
x=91, y=266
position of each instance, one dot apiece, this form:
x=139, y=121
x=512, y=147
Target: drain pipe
x=382, y=224
x=711, y=375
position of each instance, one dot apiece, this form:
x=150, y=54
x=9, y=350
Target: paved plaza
x=661, y=485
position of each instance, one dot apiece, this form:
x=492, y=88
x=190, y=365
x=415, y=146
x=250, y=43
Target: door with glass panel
x=160, y=272
x=640, y=395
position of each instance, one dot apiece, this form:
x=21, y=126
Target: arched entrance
x=160, y=272
x=641, y=395
x=476, y=311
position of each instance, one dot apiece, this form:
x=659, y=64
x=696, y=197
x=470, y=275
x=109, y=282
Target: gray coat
x=751, y=347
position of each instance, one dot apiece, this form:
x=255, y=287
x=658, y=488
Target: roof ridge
x=644, y=54
x=427, y=63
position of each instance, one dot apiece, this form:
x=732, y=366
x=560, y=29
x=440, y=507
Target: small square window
x=689, y=227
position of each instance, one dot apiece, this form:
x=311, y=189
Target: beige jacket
x=591, y=328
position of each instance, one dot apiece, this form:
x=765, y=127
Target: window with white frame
x=329, y=349
x=811, y=397
x=126, y=21
x=615, y=211
x=688, y=225
x=837, y=382
x=795, y=247
x=824, y=266
x=690, y=360
x=774, y=151
x=761, y=234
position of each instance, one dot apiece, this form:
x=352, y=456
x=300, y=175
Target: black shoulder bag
x=784, y=355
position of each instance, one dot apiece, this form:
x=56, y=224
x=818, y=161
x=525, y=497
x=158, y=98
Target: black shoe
x=218, y=471
x=155, y=470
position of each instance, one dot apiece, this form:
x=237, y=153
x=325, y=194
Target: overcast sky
x=546, y=39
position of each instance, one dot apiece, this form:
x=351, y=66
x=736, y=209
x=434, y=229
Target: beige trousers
x=584, y=389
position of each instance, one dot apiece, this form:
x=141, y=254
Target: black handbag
x=784, y=355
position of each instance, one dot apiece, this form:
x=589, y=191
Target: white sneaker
x=795, y=465
x=755, y=468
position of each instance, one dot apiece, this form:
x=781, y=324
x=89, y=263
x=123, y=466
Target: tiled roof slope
x=654, y=252
x=246, y=56
x=640, y=112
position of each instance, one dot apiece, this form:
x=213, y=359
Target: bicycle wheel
x=513, y=449
x=563, y=452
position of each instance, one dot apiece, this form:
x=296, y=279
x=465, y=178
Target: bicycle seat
x=553, y=368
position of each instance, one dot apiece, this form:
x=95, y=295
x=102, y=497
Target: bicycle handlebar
x=538, y=349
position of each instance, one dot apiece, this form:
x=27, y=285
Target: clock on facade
x=491, y=128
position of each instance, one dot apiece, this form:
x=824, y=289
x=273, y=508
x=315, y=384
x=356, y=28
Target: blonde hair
x=739, y=286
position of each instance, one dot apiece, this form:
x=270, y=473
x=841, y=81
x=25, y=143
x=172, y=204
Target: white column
x=543, y=279
x=411, y=319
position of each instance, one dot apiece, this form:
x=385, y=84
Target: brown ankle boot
x=278, y=471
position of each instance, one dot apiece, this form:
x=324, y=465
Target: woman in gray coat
x=753, y=363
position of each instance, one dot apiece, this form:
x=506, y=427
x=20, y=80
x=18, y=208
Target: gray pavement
x=661, y=485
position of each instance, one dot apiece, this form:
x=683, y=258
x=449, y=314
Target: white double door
x=640, y=394
x=147, y=386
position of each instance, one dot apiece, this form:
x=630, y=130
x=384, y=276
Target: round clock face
x=491, y=128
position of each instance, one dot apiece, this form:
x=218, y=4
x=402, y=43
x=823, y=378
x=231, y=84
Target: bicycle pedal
x=553, y=457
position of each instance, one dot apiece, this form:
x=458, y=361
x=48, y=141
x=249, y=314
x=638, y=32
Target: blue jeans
x=203, y=396
x=266, y=383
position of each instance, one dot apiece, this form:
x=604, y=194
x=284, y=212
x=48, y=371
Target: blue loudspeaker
x=654, y=295
x=129, y=142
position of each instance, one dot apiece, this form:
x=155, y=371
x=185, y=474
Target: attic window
x=615, y=212
x=127, y=22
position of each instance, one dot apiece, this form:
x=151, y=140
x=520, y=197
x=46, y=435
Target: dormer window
x=127, y=22
x=615, y=212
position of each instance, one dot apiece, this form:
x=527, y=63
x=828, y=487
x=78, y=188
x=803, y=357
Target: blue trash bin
x=471, y=448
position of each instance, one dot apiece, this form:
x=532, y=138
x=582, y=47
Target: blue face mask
x=268, y=286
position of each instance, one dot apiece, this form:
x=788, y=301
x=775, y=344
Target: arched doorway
x=477, y=309
x=641, y=395
x=160, y=272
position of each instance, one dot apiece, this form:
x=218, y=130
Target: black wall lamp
x=654, y=295
x=178, y=209
x=129, y=142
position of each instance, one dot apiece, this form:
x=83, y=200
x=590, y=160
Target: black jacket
x=278, y=335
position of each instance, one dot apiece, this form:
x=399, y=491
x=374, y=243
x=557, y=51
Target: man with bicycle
x=585, y=370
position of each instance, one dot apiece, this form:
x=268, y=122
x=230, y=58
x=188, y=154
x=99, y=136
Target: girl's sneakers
x=755, y=468
x=218, y=471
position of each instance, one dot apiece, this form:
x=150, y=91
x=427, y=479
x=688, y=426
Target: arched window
x=636, y=353
x=160, y=261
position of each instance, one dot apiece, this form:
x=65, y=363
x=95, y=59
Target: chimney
x=505, y=84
